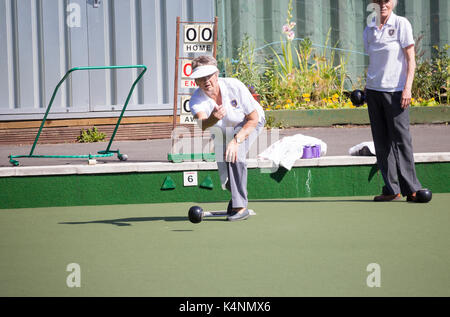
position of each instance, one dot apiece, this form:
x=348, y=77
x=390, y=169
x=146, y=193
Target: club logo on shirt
x=234, y=103
x=391, y=32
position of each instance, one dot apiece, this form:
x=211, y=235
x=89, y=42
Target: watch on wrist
x=238, y=140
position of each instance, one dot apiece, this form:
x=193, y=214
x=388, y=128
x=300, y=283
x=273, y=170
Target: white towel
x=286, y=151
x=362, y=149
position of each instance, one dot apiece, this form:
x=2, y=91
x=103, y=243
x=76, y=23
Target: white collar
x=389, y=22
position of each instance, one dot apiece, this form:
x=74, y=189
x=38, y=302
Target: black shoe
x=239, y=215
x=412, y=197
x=230, y=209
x=387, y=197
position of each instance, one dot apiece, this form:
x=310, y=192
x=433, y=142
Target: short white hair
x=394, y=3
x=203, y=60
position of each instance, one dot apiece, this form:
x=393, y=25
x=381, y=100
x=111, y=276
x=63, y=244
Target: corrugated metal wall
x=263, y=21
x=41, y=39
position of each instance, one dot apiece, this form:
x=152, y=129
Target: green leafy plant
x=315, y=81
x=286, y=61
x=245, y=67
x=91, y=135
x=272, y=123
x=432, y=77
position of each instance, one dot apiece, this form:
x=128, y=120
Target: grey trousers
x=237, y=172
x=393, y=144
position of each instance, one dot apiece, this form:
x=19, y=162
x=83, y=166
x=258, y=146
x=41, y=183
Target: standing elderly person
x=389, y=43
x=236, y=118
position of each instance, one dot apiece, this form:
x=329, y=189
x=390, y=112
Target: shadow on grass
x=123, y=222
x=126, y=221
x=312, y=200
x=303, y=200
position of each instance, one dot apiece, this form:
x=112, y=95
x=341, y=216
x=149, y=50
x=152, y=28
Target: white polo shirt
x=387, y=66
x=236, y=98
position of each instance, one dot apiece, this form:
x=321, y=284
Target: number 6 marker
x=190, y=178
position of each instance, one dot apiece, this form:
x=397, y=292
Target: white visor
x=203, y=71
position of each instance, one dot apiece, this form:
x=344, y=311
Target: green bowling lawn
x=302, y=247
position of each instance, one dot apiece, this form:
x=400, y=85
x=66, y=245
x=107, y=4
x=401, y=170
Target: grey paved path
x=426, y=139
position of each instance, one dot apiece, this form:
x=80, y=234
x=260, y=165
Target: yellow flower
x=307, y=99
x=278, y=107
x=306, y=95
x=335, y=96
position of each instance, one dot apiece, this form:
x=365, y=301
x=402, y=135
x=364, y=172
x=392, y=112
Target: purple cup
x=316, y=150
x=307, y=152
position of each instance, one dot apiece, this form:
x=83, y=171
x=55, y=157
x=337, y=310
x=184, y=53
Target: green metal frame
x=178, y=158
x=106, y=153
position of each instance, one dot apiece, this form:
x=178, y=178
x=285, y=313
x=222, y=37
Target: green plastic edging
x=141, y=188
x=178, y=158
x=328, y=117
